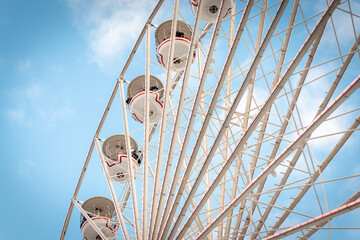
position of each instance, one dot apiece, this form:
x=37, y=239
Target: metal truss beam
x=298, y=153
x=264, y=109
x=277, y=161
x=315, y=175
x=266, y=118
x=279, y=139
x=154, y=209
x=118, y=209
x=86, y=163
x=321, y=224
x=317, y=220
x=190, y=126
x=203, y=130
x=223, y=128
x=130, y=167
x=175, y=132
x=146, y=134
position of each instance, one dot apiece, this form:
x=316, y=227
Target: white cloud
x=38, y=105
x=16, y=115
x=343, y=25
x=24, y=66
x=33, y=92
x=25, y=168
x=311, y=97
x=110, y=26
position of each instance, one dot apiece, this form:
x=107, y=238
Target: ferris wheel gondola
x=136, y=99
x=101, y=211
x=210, y=10
x=116, y=157
x=182, y=44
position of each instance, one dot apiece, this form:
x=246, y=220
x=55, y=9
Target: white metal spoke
x=247, y=144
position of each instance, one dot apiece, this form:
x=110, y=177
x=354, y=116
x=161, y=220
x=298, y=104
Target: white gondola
x=182, y=44
x=211, y=9
x=116, y=159
x=101, y=210
x=136, y=99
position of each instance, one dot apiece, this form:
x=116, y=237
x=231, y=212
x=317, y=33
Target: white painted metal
x=276, y=162
x=86, y=163
x=205, y=134
x=227, y=121
x=203, y=130
x=226, y=136
x=131, y=170
x=353, y=198
x=262, y=112
x=292, y=105
x=334, y=213
x=156, y=191
x=193, y=43
x=112, y=190
x=313, y=178
x=191, y=122
x=146, y=136
x=207, y=181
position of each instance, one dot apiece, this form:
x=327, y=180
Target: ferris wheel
x=239, y=120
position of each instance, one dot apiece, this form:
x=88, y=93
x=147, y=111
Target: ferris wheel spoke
x=315, y=175
x=282, y=131
x=353, y=86
x=190, y=124
x=131, y=170
x=320, y=225
x=246, y=80
x=176, y=125
x=224, y=126
x=245, y=123
x=322, y=219
x=156, y=191
x=204, y=126
x=193, y=212
x=260, y=101
x=112, y=191
x=297, y=155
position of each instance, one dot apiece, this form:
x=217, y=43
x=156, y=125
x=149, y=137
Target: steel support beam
x=263, y=110
x=317, y=220
x=205, y=123
x=315, y=175
x=278, y=160
x=179, y=113
x=86, y=163
x=280, y=135
x=146, y=134
x=329, y=94
x=129, y=157
x=227, y=106
x=191, y=122
x=321, y=224
x=118, y=209
x=224, y=128
x=154, y=225
x=205, y=144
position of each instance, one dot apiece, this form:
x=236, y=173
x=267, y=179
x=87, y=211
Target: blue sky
x=59, y=60
x=55, y=82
